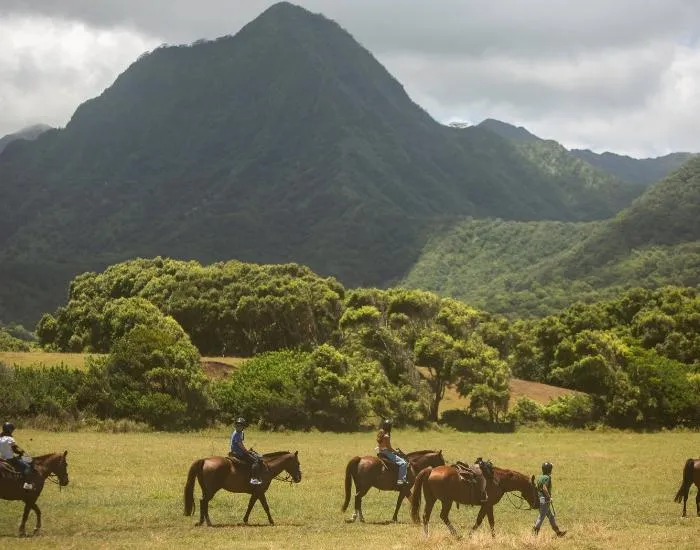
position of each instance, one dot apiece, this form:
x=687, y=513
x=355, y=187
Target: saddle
x=9, y=471
x=243, y=465
x=467, y=473
x=486, y=467
x=389, y=465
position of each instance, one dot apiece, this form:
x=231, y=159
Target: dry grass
x=43, y=359
x=126, y=492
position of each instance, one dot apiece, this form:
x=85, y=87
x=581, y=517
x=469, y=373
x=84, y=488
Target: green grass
x=612, y=490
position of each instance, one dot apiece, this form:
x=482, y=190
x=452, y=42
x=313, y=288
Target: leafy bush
x=526, y=411
x=573, y=411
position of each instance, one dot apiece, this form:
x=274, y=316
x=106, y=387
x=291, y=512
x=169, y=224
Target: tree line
x=327, y=357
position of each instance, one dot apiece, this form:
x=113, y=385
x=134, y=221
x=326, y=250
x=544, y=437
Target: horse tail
x=350, y=475
x=687, y=480
x=195, y=472
x=417, y=490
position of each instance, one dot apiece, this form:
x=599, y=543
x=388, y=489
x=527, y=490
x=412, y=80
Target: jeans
x=254, y=459
x=21, y=465
x=400, y=462
x=546, y=511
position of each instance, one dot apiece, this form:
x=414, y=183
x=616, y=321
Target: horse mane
x=423, y=452
x=275, y=454
x=46, y=456
x=504, y=472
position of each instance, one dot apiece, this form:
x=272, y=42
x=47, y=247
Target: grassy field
x=612, y=490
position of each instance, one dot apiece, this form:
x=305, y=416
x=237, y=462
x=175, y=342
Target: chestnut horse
x=444, y=484
x=219, y=472
x=54, y=464
x=691, y=474
x=369, y=471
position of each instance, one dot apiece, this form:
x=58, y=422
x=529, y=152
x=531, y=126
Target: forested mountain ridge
x=640, y=171
x=285, y=142
x=535, y=268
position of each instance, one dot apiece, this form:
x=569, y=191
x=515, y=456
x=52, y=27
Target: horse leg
x=479, y=517
x=251, y=502
x=492, y=522
x=445, y=516
x=25, y=515
x=429, y=503
x=37, y=529
x=359, y=493
x=402, y=494
x=263, y=501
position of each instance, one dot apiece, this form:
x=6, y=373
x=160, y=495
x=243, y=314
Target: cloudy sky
x=619, y=75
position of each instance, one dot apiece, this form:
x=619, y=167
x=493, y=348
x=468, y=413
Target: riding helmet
x=8, y=428
x=547, y=468
x=240, y=421
x=386, y=424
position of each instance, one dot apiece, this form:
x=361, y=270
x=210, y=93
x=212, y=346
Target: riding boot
x=561, y=533
x=535, y=531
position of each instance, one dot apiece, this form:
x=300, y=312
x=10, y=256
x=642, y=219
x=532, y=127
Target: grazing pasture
x=612, y=490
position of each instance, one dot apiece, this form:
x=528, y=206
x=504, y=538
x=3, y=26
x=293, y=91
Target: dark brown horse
x=370, y=471
x=691, y=474
x=44, y=466
x=444, y=484
x=219, y=472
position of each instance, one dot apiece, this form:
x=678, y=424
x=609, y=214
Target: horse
x=219, y=472
x=444, y=484
x=54, y=464
x=370, y=471
x=691, y=474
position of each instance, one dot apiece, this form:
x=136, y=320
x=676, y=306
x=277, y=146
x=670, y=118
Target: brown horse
x=691, y=474
x=369, y=471
x=218, y=472
x=444, y=484
x=44, y=466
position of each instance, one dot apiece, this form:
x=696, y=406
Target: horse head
x=529, y=493
x=293, y=468
x=53, y=464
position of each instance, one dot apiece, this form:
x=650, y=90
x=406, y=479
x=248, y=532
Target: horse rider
x=238, y=449
x=386, y=450
x=544, y=493
x=13, y=453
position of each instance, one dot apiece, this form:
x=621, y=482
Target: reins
x=287, y=479
x=521, y=505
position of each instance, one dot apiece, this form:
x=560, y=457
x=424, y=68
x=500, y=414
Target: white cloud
x=49, y=67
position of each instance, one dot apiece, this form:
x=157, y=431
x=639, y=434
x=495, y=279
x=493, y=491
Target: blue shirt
x=236, y=440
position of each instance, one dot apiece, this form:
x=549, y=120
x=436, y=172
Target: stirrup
x=255, y=481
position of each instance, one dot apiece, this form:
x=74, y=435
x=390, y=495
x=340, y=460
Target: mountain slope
x=29, y=133
x=285, y=142
x=640, y=171
x=534, y=268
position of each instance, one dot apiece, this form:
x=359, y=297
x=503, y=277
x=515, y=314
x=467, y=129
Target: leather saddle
x=8, y=470
x=467, y=473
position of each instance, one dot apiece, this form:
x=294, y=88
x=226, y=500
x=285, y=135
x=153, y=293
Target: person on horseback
x=239, y=450
x=12, y=453
x=544, y=493
x=385, y=449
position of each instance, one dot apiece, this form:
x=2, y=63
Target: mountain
x=534, y=268
x=508, y=131
x=639, y=171
x=571, y=173
x=28, y=133
x=286, y=142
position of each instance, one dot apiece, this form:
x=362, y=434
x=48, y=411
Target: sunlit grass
x=612, y=490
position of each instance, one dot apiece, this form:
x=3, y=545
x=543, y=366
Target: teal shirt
x=544, y=480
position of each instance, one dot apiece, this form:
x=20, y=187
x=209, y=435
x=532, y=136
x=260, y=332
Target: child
x=239, y=450
x=544, y=492
x=385, y=449
x=8, y=449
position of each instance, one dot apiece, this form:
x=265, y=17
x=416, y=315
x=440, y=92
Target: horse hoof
x=36, y=532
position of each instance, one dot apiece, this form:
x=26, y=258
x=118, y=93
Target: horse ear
x=440, y=452
x=296, y=453
x=532, y=479
x=65, y=453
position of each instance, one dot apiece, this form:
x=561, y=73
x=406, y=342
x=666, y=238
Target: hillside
x=286, y=142
x=535, y=268
x=29, y=133
x=640, y=171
